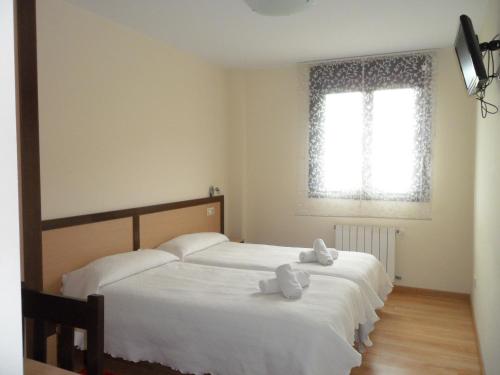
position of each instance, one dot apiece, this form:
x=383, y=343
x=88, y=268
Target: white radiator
x=379, y=241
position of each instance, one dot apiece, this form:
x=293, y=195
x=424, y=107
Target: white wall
x=125, y=120
x=10, y=271
x=486, y=296
x=435, y=254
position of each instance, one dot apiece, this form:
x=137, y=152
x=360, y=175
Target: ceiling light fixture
x=278, y=7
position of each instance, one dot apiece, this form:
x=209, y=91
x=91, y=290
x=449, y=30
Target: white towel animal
x=288, y=282
x=309, y=256
x=322, y=254
x=270, y=286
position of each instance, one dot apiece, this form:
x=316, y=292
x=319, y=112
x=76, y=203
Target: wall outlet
x=210, y=211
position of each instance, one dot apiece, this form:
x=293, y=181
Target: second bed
x=215, y=249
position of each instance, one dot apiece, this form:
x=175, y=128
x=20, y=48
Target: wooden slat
x=95, y=337
x=28, y=141
x=136, y=232
x=65, y=343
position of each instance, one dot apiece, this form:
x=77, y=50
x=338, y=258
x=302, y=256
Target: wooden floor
x=423, y=332
x=419, y=332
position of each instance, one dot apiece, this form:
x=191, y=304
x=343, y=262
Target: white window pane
x=393, y=141
x=343, y=135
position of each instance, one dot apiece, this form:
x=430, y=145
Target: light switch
x=210, y=211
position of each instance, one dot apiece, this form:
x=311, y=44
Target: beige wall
x=128, y=121
x=486, y=295
x=236, y=162
x=433, y=254
x=124, y=120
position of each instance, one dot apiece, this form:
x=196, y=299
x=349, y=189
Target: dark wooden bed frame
x=135, y=213
x=71, y=242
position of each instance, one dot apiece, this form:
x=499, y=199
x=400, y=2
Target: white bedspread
x=364, y=269
x=202, y=319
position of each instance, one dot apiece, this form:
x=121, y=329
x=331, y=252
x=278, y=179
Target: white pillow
x=187, y=244
x=104, y=271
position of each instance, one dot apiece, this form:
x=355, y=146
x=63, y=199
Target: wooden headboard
x=72, y=242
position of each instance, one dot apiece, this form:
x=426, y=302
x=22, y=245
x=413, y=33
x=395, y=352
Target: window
x=370, y=129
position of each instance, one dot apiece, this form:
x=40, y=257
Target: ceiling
x=227, y=32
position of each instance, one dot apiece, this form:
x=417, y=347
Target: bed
x=204, y=319
x=215, y=249
x=70, y=243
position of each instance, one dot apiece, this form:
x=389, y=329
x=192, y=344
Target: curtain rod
x=324, y=61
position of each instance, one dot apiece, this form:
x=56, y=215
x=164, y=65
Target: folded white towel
x=334, y=253
x=310, y=255
x=288, y=282
x=322, y=253
x=270, y=286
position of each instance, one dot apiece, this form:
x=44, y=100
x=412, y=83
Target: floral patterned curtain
x=370, y=76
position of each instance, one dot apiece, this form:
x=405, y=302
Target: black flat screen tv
x=470, y=57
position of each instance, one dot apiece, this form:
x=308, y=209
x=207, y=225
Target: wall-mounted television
x=470, y=57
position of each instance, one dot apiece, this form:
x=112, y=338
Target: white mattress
x=202, y=319
x=363, y=269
